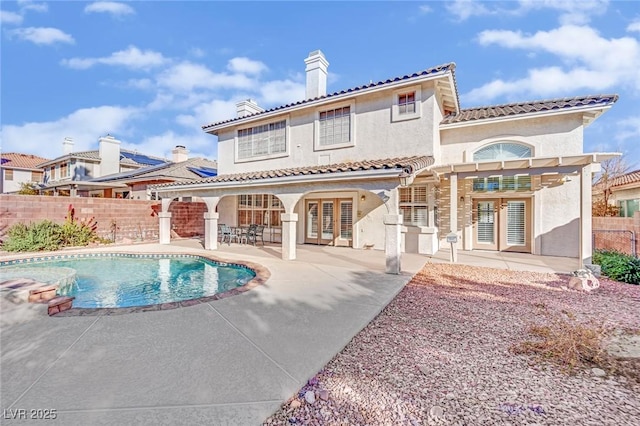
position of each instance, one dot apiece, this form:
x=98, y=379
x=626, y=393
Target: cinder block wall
x=132, y=219
x=607, y=233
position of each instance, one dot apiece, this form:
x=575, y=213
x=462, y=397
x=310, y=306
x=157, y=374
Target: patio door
x=502, y=224
x=329, y=222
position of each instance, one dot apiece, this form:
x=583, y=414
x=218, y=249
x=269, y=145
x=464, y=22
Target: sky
x=151, y=73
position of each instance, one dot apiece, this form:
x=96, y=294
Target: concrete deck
x=231, y=361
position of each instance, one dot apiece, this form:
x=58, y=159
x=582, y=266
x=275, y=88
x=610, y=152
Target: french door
x=329, y=222
x=502, y=224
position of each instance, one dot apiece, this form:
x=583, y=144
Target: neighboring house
x=19, y=168
x=180, y=169
x=398, y=165
x=74, y=172
x=625, y=193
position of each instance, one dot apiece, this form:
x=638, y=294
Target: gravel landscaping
x=442, y=353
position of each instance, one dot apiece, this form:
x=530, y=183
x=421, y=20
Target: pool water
x=118, y=282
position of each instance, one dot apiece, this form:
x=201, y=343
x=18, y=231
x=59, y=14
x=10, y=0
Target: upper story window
x=64, y=170
x=334, y=127
x=8, y=174
x=36, y=176
x=264, y=140
x=502, y=151
x=406, y=104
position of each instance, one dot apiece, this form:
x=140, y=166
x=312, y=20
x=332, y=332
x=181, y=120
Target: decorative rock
x=295, y=404
x=323, y=394
x=310, y=397
x=424, y=370
x=584, y=280
x=436, y=412
x=598, y=372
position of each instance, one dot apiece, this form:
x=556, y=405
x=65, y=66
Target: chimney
x=179, y=154
x=316, y=74
x=247, y=107
x=67, y=146
x=109, y=152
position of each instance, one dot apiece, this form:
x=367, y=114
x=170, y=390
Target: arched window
x=502, y=151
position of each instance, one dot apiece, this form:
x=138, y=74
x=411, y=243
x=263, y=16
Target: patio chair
x=254, y=233
x=226, y=233
x=248, y=235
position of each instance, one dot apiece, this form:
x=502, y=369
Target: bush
x=618, y=266
x=39, y=236
x=47, y=235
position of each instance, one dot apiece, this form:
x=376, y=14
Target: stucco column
x=453, y=203
x=289, y=221
x=211, y=230
x=392, y=242
x=585, y=249
x=165, y=227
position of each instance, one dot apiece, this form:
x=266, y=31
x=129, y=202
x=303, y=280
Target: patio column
x=289, y=222
x=211, y=218
x=453, y=214
x=211, y=230
x=585, y=250
x=392, y=242
x=165, y=227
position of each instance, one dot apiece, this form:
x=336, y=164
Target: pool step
x=42, y=294
x=60, y=304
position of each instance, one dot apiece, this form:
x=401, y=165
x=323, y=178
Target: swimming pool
x=120, y=280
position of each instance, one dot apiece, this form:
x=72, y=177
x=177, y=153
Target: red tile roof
x=410, y=164
x=507, y=110
x=627, y=178
x=14, y=160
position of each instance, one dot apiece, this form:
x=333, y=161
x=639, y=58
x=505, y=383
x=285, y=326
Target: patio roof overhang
x=540, y=165
x=83, y=185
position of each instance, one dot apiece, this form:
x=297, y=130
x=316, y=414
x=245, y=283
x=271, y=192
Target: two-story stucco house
x=398, y=165
x=17, y=169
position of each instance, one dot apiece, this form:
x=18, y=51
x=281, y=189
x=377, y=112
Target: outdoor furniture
x=226, y=233
x=247, y=234
x=258, y=234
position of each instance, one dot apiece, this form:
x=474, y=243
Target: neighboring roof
x=625, y=179
x=519, y=108
x=408, y=164
x=126, y=157
x=450, y=67
x=15, y=160
x=174, y=171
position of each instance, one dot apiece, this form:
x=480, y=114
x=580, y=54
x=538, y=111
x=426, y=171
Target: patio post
x=585, y=249
x=165, y=227
x=211, y=230
x=289, y=221
x=392, y=242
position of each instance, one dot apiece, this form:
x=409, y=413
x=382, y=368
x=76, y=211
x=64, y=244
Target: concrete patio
x=230, y=361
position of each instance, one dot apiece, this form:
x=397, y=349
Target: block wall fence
x=134, y=220
x=614, y=233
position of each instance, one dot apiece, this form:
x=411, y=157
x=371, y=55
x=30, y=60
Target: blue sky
x=152, y=73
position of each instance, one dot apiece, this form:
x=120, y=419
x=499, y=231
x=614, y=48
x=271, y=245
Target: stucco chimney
x=247, y=107
x=179, y=154
x=109, y=152
x=316, y=74
x=67, y=146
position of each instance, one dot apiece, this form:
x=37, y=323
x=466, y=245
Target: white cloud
x=246, y=66
x=112, y=7
x=207, y=113
x=572, y=11
x=188, y=76
x=42, y=35
x=30, y=5
x=464, y=9
x=85, y=126
x=132, y=57
x=280, y=92
x=196, y=141
x=630, y=129
x=634, y=26
x=140, y=83
x=606, y=63
x=424, y=9
x=7, y=17
x=197, y=52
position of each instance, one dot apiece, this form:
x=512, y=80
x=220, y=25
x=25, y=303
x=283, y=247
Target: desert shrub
x=618, y=266
x=566, y=342
x=38, y=236
x=78, y=232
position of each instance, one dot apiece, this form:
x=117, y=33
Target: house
x=398, y=165
x=112, y=172
x=624, y=193
x=17, y=168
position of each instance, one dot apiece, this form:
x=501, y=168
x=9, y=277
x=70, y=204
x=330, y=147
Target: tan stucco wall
x=376, y=136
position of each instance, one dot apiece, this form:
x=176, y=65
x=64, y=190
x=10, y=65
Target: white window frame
x=395, y=108
x=352, y=126
x=236, y=141
x=413, y=205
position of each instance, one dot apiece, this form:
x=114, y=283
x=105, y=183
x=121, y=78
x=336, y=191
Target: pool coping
x=262, y=274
